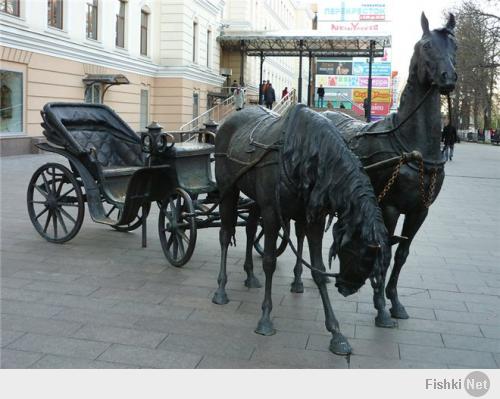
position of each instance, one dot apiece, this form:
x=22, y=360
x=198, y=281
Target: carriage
x=119, y=174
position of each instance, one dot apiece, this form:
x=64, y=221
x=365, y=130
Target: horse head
x=359, y=259
x=435, y=56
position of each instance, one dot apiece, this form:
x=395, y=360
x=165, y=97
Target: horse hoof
x=252, y=282
x=399, y=312
x=384, y=320
x=220, y=298
x=298, y=288
x=339, y=345
x=265, y=328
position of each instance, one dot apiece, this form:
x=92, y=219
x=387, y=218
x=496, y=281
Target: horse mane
x=330, y=178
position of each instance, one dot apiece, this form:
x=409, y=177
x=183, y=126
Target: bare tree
x=478, y=62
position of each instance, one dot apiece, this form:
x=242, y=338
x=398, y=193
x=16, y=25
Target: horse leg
x=251, y=229
x=338, y=344
x=271, y=227
x=412, y=223
x=228, y=215
x=297, y=285
x=383, y=318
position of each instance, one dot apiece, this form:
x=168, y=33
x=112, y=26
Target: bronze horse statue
x=416, y=126
x=297, y=166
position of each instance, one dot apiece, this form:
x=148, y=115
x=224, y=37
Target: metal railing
x=286, y=102
x=215, y=114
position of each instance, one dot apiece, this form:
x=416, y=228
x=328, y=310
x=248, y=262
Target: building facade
x=70, y=50
x=166, y=49
x=345, y=80
x=265, y=16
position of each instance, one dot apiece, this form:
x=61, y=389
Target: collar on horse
x=399, y=147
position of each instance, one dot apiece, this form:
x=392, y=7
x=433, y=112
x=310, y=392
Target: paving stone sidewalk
x=101, y=301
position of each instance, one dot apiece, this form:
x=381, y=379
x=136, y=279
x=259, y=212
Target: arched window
x=10, y=7
x=144, y=31
x=195, y=41
x=120, y=24
x=92, y=17
x=55, y=13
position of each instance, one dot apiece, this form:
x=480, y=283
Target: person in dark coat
x=449, y=138
x=321, y=95
x=234, y=86
x=269, y=96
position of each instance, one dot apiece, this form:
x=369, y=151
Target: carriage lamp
x=151, y=142
x=154, y=141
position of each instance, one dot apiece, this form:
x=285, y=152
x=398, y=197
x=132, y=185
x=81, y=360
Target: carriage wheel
x=55, y=203
x=113, y=212
x=177, y=230
x=259, y=238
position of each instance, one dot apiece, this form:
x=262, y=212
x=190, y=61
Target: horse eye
x=427, y=45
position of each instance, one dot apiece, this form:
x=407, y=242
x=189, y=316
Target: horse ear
x=450, y=25
x=425, y=24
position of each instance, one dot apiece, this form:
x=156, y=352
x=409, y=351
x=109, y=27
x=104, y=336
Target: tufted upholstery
x=110, y=150
x=80, y=127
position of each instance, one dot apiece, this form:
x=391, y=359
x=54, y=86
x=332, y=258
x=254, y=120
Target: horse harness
x=428, y=198
x=436, y=167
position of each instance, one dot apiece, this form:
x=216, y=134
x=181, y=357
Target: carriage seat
x=193, y=166
x=109, y=150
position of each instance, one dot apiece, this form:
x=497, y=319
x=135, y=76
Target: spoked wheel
x=259, y=240
x=55, y=203
x=114, y=212
x=177, y=228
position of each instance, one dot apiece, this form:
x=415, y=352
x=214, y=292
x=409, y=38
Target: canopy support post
x=309, y=81
x=242, y=62
x=261, y=94
x=370, y=62
x=300, y=72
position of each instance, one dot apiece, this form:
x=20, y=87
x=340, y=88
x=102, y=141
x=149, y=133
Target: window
x=144, y=32
x=196, y=105
x=11, y=102
x=55, y=13
x=209, y=48
x=144, y=117
x=10, y=7
x=120, y=25
x=93, y=94
x=195, y=41
x=92, y=12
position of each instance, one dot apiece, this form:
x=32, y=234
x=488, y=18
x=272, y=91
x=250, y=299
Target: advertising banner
x=378, y=95
x=334, y=93
x=376, y=81
x=377, y=108
x=353, y=27
x=334, y=68
x=353, y=10
x=350, y=81
x=378, y=68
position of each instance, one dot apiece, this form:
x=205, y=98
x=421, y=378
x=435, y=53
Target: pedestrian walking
x=239, y=98
x=262, y=92
x=449, y=138
x=270, y=96
x=321, y=96
x=234, y=86
x=284, y=93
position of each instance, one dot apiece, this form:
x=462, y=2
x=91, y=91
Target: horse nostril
x=444, y=76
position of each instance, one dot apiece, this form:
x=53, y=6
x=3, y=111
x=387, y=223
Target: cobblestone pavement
x=101, y=301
